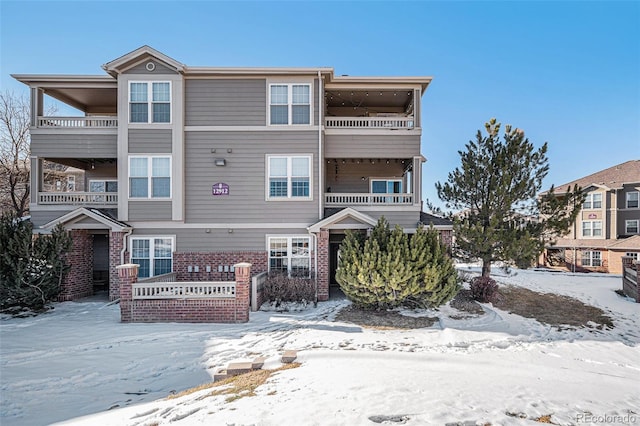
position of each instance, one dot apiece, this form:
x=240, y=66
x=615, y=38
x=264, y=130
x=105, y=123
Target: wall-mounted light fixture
x=93, y=164
x=220, y=162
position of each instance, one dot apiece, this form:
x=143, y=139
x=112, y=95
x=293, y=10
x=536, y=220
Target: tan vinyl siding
x=244, y=172
x=225, y=102
x=149, y=210
x=85, y=145
x=218, y=240
x=150, y=141
x=41, y=217
x=142, y=68
x=392, y=145
x=406, y=219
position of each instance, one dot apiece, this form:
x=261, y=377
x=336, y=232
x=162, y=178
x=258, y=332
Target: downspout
x=124, y=245
x=320, y=154
x=315, y=267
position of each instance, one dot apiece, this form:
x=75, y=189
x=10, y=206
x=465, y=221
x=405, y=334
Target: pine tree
x=495, y=188
x=390, y=269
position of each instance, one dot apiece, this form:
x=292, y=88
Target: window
x=290, y=254
x=593, y=201
x=591, y=258
x=592, y=228
x=289, y=177
x=150, y=102
x=632, y=200
x=71, y=183
x=153, y=254
x=150, y=177
x=631, y=226
x=289, y=104
x=633, y=255
x=103, y=186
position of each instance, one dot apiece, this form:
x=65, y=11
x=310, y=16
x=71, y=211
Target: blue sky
x=568, y=73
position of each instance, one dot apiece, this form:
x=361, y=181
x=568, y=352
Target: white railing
x=369, y=122
x=367, y=199
x=77, y=198
x=184, y=290
x=92, y=121
x=164, y=278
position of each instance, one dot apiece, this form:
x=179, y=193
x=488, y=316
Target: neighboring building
x=193, y=169
x=607, y=227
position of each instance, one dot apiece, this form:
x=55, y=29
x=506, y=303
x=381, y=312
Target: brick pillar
x=322, y=274
x=243, y=291
x=115, y=248
x=79, y=280
x=127, y=274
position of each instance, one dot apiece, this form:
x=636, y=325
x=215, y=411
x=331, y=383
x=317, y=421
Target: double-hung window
x=149, y=177
x=289, y=177
x=633, y=200
x=149, y=102
x=591, y=258
x=290, y=255
x=289, y=104
x=592, y=228
x=593, y=201
x=631, y=226
x=153, y=254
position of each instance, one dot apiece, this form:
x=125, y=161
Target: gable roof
x=613, y=177
x=133, y=58
x=83, y=218
x=347, y=218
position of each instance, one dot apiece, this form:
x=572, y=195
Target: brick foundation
x=116, y=243
x=322, y=274
x=79, y=280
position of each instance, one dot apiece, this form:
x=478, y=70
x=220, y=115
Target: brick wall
x=223, y=310
x=79, y=280
x=182, y=261
x=446, y=236
x=116, y=243
x=322, y=274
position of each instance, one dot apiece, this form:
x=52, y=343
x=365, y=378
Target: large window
x=289, y=177
x=149, y=177
x=290, y=255
x=153, y=254
x=632, y=200
x=593, y=201
x=290, y=104
x=591, y=258
x=150, y=102
x=592, y=228
x=631, y=226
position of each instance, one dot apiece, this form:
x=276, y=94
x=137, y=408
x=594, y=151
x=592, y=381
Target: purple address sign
x=220, y=188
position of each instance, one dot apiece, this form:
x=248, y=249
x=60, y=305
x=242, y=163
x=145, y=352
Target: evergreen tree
x=390, y=269
x=31, y=269
x=496, y=187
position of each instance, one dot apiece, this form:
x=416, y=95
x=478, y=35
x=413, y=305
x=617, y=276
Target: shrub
x=484, y=289
x=31, y=269
x=279, y=287
x=391, y=269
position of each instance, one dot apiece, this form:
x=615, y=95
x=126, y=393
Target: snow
x=79, y=360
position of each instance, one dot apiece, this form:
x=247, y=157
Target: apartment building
x=608, y=226
x=190, y=169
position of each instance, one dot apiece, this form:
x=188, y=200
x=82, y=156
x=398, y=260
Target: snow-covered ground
x=79, y=360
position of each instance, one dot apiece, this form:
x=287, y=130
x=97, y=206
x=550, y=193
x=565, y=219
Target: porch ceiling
x=89, y=100
x=384, y=98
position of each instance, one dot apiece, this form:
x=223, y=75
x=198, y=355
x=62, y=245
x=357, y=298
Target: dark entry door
x=334, y=248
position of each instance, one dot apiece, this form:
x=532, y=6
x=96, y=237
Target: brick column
x=127, y=274
x=78, y=282
x=322, y=274
x=243, y=293
x=115, y=248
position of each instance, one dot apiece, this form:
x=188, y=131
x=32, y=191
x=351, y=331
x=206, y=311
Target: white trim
x=387, y=180
x=626, y=203
x=591, y=229
x=289, y=83
x=289, y=177
x=77, y=214
x=626, y=226
x=151, y=239
x=149, y=177
x=274, y=128
x=590, y=258
x=181, y=225
x=289, y=256
x=591, y=201
x=150, y=101
x=331, y=222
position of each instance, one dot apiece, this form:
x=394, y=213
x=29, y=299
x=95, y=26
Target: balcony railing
x=367, y=199
x=185, y=290
x=369, y=122
x=75, y=122
x=78, y=198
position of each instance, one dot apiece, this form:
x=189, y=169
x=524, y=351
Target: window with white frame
x=591, y=258
x=149, y=102
x=71, y=183
x=291, y=255
x=103, y=185
x=153, y=254
x=149, y=177
x=632, y=200
x=592, y=228
x=593, y=201
x=289, y=104
x=633, y=255
x=289, y=177
x=631, y=226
